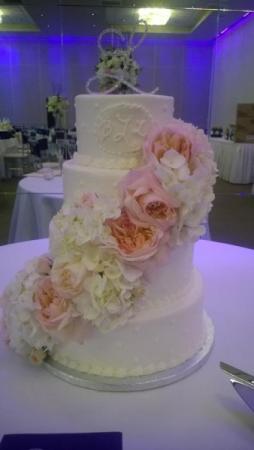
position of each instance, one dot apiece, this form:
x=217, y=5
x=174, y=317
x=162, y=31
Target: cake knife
x=242, y=382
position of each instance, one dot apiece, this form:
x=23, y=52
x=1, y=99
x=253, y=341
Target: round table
x=200, y=412
x=37, y=201
x=235, y=161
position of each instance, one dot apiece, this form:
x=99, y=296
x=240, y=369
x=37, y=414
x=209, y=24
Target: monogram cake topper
x=117, y=71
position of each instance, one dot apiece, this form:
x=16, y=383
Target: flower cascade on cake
x=101, y=247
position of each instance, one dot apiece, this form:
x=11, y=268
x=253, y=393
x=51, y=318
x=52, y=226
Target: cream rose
x=68, y=276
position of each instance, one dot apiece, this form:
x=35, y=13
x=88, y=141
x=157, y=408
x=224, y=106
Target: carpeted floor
x=7, y=199
x=231, y=219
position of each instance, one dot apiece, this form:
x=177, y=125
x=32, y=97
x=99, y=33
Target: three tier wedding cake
x=117, y=295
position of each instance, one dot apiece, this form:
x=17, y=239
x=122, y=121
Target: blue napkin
x=65, y=441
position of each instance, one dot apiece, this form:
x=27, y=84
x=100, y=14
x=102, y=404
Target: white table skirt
x=235, y=161
x=37, y=201
x=200, y=412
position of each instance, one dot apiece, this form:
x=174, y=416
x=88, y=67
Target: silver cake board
x=137, y=383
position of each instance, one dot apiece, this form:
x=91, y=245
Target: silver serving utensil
x=242, y=382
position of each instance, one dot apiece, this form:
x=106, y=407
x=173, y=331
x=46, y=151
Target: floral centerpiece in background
x=5, y=125
x=117, y=62
x=57, y=106
x=6, y=129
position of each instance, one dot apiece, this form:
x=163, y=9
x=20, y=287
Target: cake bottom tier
x=155, y=339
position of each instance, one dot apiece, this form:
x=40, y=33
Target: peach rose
x=68, y=277
x=134, y=242
x=145, y=200
x=166, y=139
x=53, y=311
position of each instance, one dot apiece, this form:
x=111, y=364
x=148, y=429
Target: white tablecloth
x=5, y=146
x=235, y=161
x=200, y=412
x=37, y=201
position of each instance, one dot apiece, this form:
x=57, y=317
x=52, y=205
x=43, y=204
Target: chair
x=15, y=163
x=31, y=163
x=60, y=135
x=40, y=147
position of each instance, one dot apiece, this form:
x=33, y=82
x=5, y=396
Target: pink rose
x=134, y=242
x=53, y=311
x=145, y=200
x=44, y=265
x=68, y=277
x=168, y=138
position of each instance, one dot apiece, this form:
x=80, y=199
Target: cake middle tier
x=79, y=179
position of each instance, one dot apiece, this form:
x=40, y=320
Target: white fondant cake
x=118, y=294
x=167, y=325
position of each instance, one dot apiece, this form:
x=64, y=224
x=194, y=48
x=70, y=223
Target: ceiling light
x=154, y=16
x=1, y=16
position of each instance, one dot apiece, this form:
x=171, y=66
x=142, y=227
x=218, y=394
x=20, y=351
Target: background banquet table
x=37, y=201
x=5, y=146
x=201, y=411
x=235, y=161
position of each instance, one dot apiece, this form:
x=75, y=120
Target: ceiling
x=195, y=19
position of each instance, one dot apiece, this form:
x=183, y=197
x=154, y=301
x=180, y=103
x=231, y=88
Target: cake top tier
x=111, y=129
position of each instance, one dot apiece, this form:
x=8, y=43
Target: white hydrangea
x=77, y=225
x=192, y=191
x=111, y=292
x=24, y=332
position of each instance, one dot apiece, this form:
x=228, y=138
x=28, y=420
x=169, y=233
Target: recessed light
x=154, y=16
x=94, y=25
x=93, y=14
x=42, y=15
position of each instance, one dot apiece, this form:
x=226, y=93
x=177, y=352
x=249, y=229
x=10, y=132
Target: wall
x=233, y=72
x=33, y=67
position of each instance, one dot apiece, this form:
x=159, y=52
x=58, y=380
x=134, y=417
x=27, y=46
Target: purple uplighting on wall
x=236, y=24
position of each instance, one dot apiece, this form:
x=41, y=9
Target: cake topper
x=117, y=71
